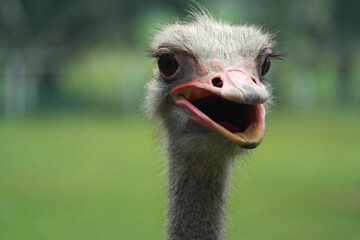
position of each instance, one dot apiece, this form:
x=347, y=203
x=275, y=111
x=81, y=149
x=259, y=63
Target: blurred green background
x=79, y=161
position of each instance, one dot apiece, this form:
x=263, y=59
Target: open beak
x=230, y=103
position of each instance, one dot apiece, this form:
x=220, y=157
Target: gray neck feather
x=198, y=184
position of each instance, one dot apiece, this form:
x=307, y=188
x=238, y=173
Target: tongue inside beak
x=242, y=124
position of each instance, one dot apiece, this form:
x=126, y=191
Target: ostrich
x=208, y=94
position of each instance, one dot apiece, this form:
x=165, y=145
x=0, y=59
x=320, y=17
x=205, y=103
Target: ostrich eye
x=265, y=66
x=167, y=65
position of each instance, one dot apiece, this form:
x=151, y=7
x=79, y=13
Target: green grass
x=100, y=177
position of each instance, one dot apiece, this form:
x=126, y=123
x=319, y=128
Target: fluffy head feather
x=204, y=37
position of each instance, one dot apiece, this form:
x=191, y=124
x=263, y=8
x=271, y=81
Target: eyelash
x=275, y=55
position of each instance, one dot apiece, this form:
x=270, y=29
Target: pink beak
x=231, y=86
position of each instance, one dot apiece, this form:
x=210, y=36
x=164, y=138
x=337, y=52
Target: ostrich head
x=209, y=88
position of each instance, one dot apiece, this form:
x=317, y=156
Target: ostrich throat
x=197, y=191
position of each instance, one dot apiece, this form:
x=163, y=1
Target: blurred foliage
x=84, y=53
x=120, y=79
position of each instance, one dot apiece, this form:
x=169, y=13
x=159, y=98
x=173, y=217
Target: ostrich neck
x=197, y=196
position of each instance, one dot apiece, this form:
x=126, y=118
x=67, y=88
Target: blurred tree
x=344, y=38
x=314, y=32
x=45, y=34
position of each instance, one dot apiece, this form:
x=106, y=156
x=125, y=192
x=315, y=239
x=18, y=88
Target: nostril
x=216, y=82
x=254, y=80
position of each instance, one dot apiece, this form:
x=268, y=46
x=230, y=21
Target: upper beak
x=233, y=85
